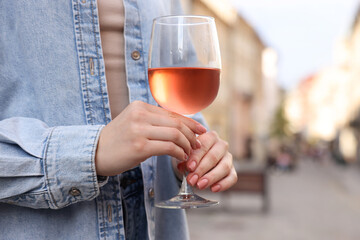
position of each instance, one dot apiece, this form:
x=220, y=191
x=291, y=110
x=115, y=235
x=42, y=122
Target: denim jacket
x=53, y=105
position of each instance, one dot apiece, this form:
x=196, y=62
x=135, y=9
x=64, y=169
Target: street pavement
x=318, y=201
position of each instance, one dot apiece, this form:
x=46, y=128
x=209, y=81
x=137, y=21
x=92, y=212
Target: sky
x=303, y=32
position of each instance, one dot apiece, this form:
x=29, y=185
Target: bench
x=251, y=180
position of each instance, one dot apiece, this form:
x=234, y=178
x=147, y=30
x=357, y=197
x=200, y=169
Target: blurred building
x=326, y=104
x=248, y=94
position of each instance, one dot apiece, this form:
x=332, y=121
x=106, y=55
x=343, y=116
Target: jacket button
x=151, y=193
x=135, y=55
x=74, y=191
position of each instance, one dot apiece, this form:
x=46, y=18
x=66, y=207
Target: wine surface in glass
x=184, y=90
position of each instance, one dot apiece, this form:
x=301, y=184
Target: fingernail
x=186, y=157
x=216, y=188
x=200, y=128
x=192, y=165
x=181, y=166
x=198, y=144
x=203, y=183
x=193, y=179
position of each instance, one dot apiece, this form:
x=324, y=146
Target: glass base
x=185, y=201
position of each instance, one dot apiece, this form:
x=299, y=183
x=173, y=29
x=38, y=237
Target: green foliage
x=280, y=125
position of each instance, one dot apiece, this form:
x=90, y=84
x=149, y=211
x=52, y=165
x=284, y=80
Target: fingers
x=172, y=135
x=164, y=148
x=213, y=164
x=226, y=182
x=221, y=177
x=176, y=124
x=157, y=116
x=216, y=174
x=208, y=141
x=193, y=125
x=141, y=131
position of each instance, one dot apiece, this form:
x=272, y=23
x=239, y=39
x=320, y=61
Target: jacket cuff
x=69, y=164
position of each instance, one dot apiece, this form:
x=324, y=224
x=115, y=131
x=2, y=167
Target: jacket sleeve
x=47, y=167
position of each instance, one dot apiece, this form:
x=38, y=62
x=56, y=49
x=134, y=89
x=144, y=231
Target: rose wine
x=184, y=90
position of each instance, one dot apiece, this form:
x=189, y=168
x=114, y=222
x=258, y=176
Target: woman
x=85, y=142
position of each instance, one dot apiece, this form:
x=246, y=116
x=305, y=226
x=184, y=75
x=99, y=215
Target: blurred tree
x=280, y=125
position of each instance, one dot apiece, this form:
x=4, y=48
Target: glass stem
x=185, y=189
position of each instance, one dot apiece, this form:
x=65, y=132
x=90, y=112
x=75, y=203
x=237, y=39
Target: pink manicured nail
x=193, y=179
x=203, y=183
x=186, y=157
x=216, y=188
x=192, y=165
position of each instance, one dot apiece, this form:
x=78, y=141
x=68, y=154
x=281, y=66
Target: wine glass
x=184, y=77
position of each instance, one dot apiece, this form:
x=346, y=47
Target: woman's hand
x=142, y=131
x=211, y=165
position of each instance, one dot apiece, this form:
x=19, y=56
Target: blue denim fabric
x=53, y=105
x=134, y=214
